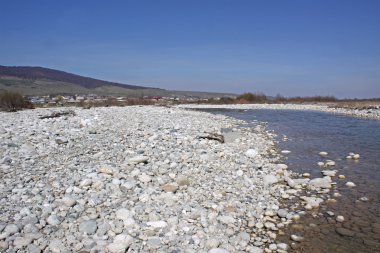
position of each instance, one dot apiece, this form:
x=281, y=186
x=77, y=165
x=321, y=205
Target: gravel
x=139, y=178
x=370, y=113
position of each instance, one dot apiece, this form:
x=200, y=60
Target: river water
x=308, y=133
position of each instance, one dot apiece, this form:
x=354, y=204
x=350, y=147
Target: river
x=309, y=132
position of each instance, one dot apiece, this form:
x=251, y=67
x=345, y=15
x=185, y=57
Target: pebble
x=339, y=218
x=212, y=243
x=172, y=187
x=330, y=173
x=251, y=153
x=254, y=249
x=322, y=153
x=269, y=225
x=282, y=213
x=296, y=238
x=239, y=173
x=183, y=181
x=157, y=224
x=21, y=242
x=4, y=245
x=321, y=182
x=345, y=232
x=11, y=229
x=56, y=246
x=106, y=170
x=89, y=227
x=69, y=201
x=154, y=242
x=282, y=246
x=270, y=179
x=145, y=178
x=139, y=159
x=53, y=220
x=330, y=163
x=350, y=184
x=120, y=243
x=123, y=214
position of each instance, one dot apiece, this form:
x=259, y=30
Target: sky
x=287, y=47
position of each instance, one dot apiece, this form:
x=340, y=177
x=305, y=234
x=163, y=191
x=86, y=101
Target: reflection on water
x=311, y=132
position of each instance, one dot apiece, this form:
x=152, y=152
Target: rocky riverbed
x=145, y=179
x=371, y=112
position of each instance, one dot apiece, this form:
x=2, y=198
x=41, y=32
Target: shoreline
x=354, y=112
x=140, y=178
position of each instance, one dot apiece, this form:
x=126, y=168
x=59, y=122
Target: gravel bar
x=370, y=113
x=140, y=179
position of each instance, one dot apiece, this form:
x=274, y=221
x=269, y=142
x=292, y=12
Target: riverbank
x=372, y=112
x=144, y=179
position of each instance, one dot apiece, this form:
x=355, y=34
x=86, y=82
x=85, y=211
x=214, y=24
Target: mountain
x=35, y=81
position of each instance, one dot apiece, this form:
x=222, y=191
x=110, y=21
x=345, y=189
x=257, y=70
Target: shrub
x=252, y=98
x=12, y=101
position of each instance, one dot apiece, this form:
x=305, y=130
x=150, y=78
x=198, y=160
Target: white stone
x=270, y=179
x=254, y=249
x=330, y=173
x=157, y=224
x=330, y=163
x=57, y=246
x=53, y=220
x=106, y=170
x=227, y=219
x=21, y=242
x=282, y=246
x=138, y=159
x=282, y=166
x=312, y=201
x=123, y=214
x=251, y=153
x=296, y=238
x=324, y=182
x=145, y=178
x=350, y=184
x=69, y=201
x=11, y=229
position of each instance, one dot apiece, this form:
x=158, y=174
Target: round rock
x=89, y=227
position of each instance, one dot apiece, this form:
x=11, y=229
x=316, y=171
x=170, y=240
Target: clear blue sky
x=291, y=47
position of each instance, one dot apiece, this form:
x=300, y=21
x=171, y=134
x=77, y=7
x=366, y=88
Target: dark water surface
x=309, y=133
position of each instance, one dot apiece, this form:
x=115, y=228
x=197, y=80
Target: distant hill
x=35, y=81
x=60, y=76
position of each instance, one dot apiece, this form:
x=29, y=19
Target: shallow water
x=309, y=133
